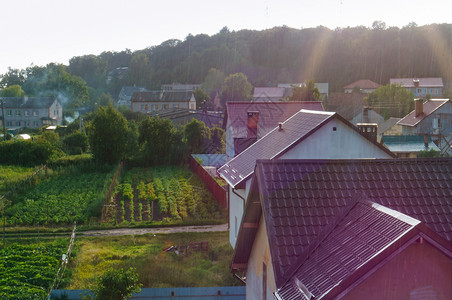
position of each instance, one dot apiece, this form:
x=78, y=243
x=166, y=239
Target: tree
x=140, y=70
x=218, y=138
x=201, y=96
x=117, y=284
x=108, y=135
x=391, y=100
x=236, y=87
x=307, y=92
x=14, y=90
x=213, y=80
x=197, y=135
x=156, y=137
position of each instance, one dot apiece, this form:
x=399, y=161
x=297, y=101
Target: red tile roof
x=423, y=82
x=270, y=114
x=300, y=199
x=363, y=84
x=429, y=107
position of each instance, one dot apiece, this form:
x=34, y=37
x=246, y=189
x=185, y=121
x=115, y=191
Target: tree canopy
x=236, y=87
x=307, y=92
x=108, y=135
x=391, y=100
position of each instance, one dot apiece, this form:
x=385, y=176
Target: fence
x=217, y=191
x=205, y=293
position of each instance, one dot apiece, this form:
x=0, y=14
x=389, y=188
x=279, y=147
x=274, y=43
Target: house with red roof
x=364, y=86
x=246, y=122
x=307, y=134
x=421, y=87
x=347, y=229
x=429, y=117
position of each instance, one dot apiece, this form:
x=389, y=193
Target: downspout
x=233, y=190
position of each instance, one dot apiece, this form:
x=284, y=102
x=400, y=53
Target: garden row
x=164, y=192
x=28, y=271
x=73, y=195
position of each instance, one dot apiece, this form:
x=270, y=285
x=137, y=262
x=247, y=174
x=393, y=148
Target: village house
x=152, y=101
x=273, y=94
x=408, y=146
x=246, y=122
x=347, y=229
x=431, y=119
x=307, y=134
x=421, y=87
x=32, y=112
x=364, y=86
x=126, y=93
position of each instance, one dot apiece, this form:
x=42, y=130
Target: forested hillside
x=280, y=54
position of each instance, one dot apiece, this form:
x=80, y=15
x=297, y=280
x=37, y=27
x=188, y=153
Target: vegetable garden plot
x=61, y=199
x=169, y=192
x=28, y=271
x=13, y=175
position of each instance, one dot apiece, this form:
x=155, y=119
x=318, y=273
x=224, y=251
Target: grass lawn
x=156, y=268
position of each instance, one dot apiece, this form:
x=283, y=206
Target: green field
x=10, y=176
x=72, y=195
x=28, y=271
x=156, y=268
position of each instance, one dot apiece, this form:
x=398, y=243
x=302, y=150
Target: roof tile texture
x=302, y=197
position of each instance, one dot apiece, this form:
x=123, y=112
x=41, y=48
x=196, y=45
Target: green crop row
x=28, y=271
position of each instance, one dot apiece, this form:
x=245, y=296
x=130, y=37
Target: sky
x=38, y=32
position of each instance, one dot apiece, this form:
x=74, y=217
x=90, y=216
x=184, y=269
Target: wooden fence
x=217, y=190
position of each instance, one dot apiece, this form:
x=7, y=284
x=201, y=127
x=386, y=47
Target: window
x=9, y=123
x=55, y=112
x=165, y=106
x=35, y=113
x=146, y=107
x=26, y=113
x=142, y=107
x=35, y=123
x=18, y=113
x=10, y=112
x=17, y=123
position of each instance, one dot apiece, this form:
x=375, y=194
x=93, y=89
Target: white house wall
x=344, y=143
x=236, y=209
x=260, y=253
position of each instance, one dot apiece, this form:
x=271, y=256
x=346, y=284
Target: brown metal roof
x=363, y=84
x=301, y=199
x=423, y=82
x=429, y=107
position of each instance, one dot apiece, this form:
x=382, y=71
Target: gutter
x=239, y=278
x=233, y=190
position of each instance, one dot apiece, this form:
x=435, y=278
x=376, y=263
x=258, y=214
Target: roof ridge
x=323, y=234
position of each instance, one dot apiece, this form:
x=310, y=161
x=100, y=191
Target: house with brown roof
x=151, y=101
x=307, y=134
x=31, y=112
x=273, y=94
x=246, y=122
x=364, y=86
x=421, y=87
x=347, y=229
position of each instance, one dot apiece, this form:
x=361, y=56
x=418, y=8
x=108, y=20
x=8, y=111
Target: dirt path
x=137, y=231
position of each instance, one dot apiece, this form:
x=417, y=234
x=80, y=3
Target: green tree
x=391, y=100
x=218, y=138
x=14, y=90
x=108, y=135
x=197, y=135
x=201, y=96
x=156, y=137
x=236, y=87
x=140, y=70
x=117, y=284
x=14, y=76
x=213, y=81
x=307, y=92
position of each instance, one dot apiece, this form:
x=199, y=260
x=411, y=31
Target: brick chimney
x=418, y=107
x=251, y=124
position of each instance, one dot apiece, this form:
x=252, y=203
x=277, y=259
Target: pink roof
x=363, y=84
x=270, y=114
x=428, y=108
x=423, y=82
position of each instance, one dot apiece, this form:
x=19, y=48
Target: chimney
x=416, y=82
x=418, y=107
x=369, y=130
x=251, y=124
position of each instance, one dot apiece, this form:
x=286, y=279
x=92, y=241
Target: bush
x=117, y=284
x=75, y=143
x=25, y=152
